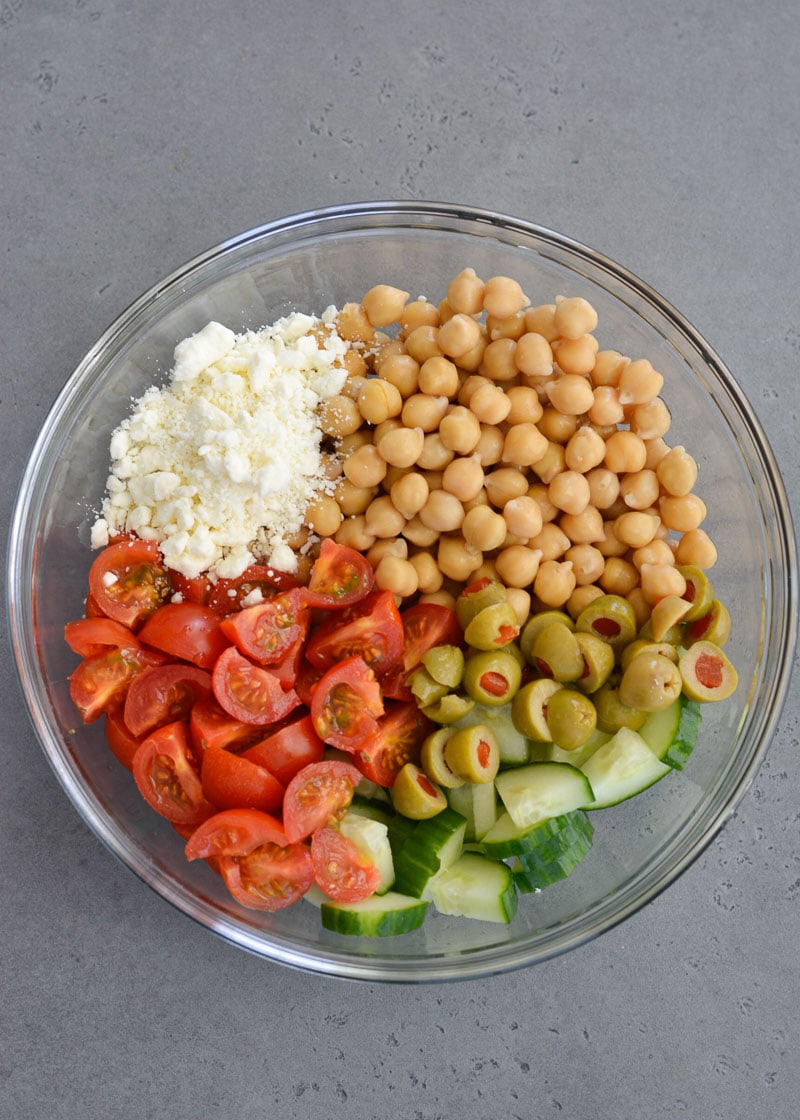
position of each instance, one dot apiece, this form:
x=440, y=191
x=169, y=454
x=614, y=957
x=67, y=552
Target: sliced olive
x=433, y=760
x=492, y=678
x=610, y=617
x=571, y=717
x=535, y=624
x=612, y=714
x=673, y=635
x=715, y=626
x=426, y=690
x=473, y=753
x=414, y=795
x=641, y=645
x=493, y=627
x=451, y=708
x=555, y=653
x=667, y=614
x=650, y=683
x=529, y=709
x=707, y=672
x=598, y=661
x=473, y=599
x=699, y=591
x=445, y=664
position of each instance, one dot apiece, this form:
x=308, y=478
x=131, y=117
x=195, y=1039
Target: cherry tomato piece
x=346, y=703
x=232, y=782
x=234, y=832
x=269, y=631
x=372, y=630
x=317, y=797
x=164, y=694
x=210, y=727
x=188, y=631
x=398, y=740
x=341, y=870
x=227, y=595
x=166, y=776
x=426, y=625
x=123, y=745
x=194, y=589
x=90, y=636
x=249, y=692
x=270, y=877
x=129, y=582
x=100, y=683
x=340, y=576
x=285, y=752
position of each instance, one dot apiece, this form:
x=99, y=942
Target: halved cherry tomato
x=342, y=871
x=346, y=703
x=210, y=727
x=340, y=576
x=372, y=630
x=425, y=625
x=188, y=631
x=195, y=589
x=269, y=631
x=123, y=745
x=250, y=692
x=100, y=683
x=232, y=782
x=234, y=832
x=91, y=608
x=270, y=877
x=318, y=796
x=307, y=678
x=227, y=594
x=287, y=751
x=164, y=694
x=129, y=582
x=89, y=636
x=165, y=773
x=397, y=741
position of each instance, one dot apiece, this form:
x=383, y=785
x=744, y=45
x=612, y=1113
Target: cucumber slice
x=551, y=753
x=622, y=767
x=373, y=809
x=432, y=845
x=478, y=803
x=378, y=916
x=547, y=839
x=671, y=734
x=476, y=887
x=514, y=747
x=372, y=838
x=533, y=872
x=540, y=790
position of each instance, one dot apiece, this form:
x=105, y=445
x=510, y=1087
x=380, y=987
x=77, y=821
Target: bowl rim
x=473, y=964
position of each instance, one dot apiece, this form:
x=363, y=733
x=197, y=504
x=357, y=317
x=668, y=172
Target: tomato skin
x=165, y=773
x=227, y=594
x=163, y=694
x=188, y=631
x=317, y=797
x=123, y=745
x=268, y=632
x=234, y=832
x=307, y=678
x=398, y=740
x=342, y=871
x=128, y=581
x=285, y=752
x=346, y=703
x=270, y=877
x=249, y=692
x=90, y=636
x=340, y=576
x=100, y=683
x=210, y=727
x=425, y=625
x=196, y=589
x=372, y=630
x=232, y=782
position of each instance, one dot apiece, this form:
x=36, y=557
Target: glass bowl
x=307, y=262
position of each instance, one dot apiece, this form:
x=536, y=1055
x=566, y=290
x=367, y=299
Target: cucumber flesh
x=671, y=734
x=371, y=808
x=371, y=837
x=540, y=790
x=378, y=916
x=432, y=845
x=622, y=767
x=476, y=887
x=552, y=753
x=478, y=804
x=514, y=747
x=537, y=873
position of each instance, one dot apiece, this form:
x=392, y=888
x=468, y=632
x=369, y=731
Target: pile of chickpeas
x=484, y=436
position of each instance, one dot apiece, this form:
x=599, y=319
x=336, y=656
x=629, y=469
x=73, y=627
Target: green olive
x=673, y=635
x=641, y=645
x=414, y=795
x=445, y=664
x=612, y=714
x=555, y=653
x=571, y=717
x=535, y=624
x=610, y=617
x=667, y=616
x=650, y=683
x=715, y=626
x=699, y=591
x=492, y=678
x=707, y=673
x=598, y=661
x=473, y=753
x=450, y=708
x=473, y=599
x=529, y=709
x=493, y=627
x=426, y=690
x=433, y=760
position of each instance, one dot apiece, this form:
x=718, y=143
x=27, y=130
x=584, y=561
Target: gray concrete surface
x=133, y=136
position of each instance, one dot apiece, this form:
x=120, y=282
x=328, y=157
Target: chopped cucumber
x=514, y=747
x=475, y=887
x=540, y=790
x=671, y=734
x=534, y=873
x=378, y=916
x=430, y=846
x=478, y=803
x=551, y=753
x=371, y=837
x=622, y=767
x=549, y=838
x=372, y=808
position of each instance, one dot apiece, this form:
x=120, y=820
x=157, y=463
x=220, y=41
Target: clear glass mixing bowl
x=307, y=262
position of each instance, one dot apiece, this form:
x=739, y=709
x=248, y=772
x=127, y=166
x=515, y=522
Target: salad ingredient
x=706, y=673
x=473, y=754
x=128, y=581
x=166, y=775
x=189, y=631
x=384, y=915
x=340, y=868
x=415, y=796
x=231, y=781
x=317, y=797
x=249, y=692
x=162, y=694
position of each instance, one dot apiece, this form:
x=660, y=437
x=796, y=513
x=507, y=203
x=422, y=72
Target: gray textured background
x=135, y=135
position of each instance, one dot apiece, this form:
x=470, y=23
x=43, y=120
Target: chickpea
x=353, y=386
x=365, y=467
x=534, y=355
x=585, y=527
x=504, y=484
x=677, y=472
x=397, y=575
x=655, y=450
x=538, y=491
x=696, y=547
x=581, y=597
x=658, y=580
x=512, y=326
x=557, y=426
x=651, y=420
x=489, y=403
x=429, y=578
x=471, y=361
x=603, y=487
x=442, y=511
x=388, y=546
x=569, y=491
x=463, y=478
x=525, y=406
x=393, y=474
x=433, y=479
x=570, y=394
x=503, y=297
x=489, y=447
x=423, y=343
x=355, y=364
x=656, y=552
x=619, y=576
x=523, y=517
x=465, y=292
x=401, y=446
x=608, y=367
x=442, y=598
x=420, y=535
x=400, y=370
x=460, y=430
x=353, y=499
x=517, y=565
x=480, y=499
x=409, y=494
x=554, y=583
x=339, y=416
x=484, y=529
x=551, y=463
x=382, y=519
x=574, y=317
x=434, y=456
x=639, y=490
x=541, y=320
x=607, y=409
x=348, y=444
x=352, y=533
x=459, y=335
x=552, y=541
x=588, y=563
x=418, y=313
x=423, y=411
x=439, y=377
x=683, y=513
x=610, y=545
x=641, y=607
x=576, y=356
x=331, y=467
x=639, y=382
x=585, y=449
x=469, y=385
x=378, y=400
x=446, y=312
x=498, y=360
x=625, y=452
x=524, y=444
x=457, y=558
x=352, y=324
x=384, y=304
